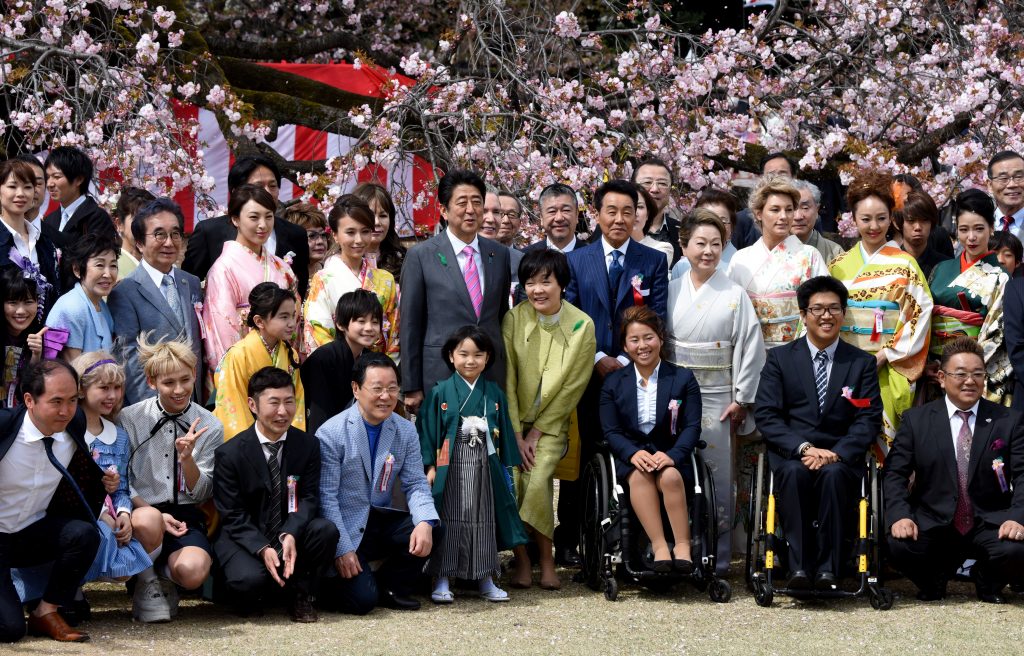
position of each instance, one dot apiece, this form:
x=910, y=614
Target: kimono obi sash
x=778, y=314
x=710, y=362
x=949, y=323
x=869, y=324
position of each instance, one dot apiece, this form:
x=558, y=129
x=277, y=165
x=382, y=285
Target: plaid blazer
x=350, y=484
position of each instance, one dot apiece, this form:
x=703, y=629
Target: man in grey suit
x=452, y=280
x=365, y=452
x=157, y=297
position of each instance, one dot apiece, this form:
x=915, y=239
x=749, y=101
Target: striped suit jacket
x=350, y=484
x=588, y=289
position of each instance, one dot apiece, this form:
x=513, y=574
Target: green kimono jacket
x=438, y=424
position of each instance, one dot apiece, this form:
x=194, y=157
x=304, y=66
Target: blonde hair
x=771, y=185
x=97, y=368
x=305, y=215
x=165, y=356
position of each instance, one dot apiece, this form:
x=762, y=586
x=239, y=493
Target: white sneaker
x=149, y=604
x=170, y=591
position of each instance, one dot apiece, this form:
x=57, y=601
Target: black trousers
x=71, y=545
x=386, y=538
x=804, y=498
x=246, y=579
x=932, y=559
x=570, y=496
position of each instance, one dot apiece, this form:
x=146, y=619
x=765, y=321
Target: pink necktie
x=963, y=516
x=472, y=277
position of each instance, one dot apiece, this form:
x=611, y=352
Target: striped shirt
x=647, y=401
x=151, y=468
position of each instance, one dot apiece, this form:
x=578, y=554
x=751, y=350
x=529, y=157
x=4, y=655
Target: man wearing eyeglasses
x=510, y=219
x=1006, y=184
x=965, y=456
x=819, y=409
x=157, y=297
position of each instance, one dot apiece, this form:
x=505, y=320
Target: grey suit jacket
x=435, y=303
x=137, y=306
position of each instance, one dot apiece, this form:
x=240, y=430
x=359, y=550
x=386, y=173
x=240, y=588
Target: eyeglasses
x=818, y=311
x=316, y=235
x=1003, y=180
x=961, y=376
x=175, y=235
x=660, y=184
x=508, y=215
x=377, y=390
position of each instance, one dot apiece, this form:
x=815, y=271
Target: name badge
x=293, y=494
x=385, y=474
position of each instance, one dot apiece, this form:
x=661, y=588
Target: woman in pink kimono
x=243, y=264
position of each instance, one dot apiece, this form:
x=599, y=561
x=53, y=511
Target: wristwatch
x=804, y=447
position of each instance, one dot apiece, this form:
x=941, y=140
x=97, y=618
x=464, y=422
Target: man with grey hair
x=509, y=217
x=806, y=216
x=492, y=214
x=559, y=215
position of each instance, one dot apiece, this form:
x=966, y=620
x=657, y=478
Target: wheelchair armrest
x=701, y=444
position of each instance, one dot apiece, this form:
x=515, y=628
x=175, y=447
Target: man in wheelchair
x=818, y=409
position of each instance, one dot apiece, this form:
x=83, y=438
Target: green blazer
x=562, y=378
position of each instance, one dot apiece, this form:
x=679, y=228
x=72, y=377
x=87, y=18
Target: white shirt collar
x=37, y=223
x=1018, y=216
x=568, y=247
x=264, y=439
x=31, y=433
x=154, y=275
x=830, y=350
x=108, y=434
x=33, y=230
x=608, y=248
x=470, y=385
x=653, y=380
x=70, y=210
x=951, y=409
x=458, y=245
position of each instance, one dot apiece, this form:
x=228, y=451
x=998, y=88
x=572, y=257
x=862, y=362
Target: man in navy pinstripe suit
x=608, y=276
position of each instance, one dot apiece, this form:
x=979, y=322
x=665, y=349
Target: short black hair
x=977, y=202
x=793, y=167
x=87, y=247
x=16, y=286
x=545, y=261
x=265, y=301
x=243, y=168
x=150, y=209
x=557, y=190
x=33, y=379
x=355, y=304
x=245, y=193
x=1002, y=156
x=129, y=201
x=959, y=345
x=615, y=187
x=368, y=360
x=29, y=158
x=479, y=337
x=73, y=163
x=1005, y=239
x=651, y=161
x=456, y=177
x=820, y=285
x=269, y=378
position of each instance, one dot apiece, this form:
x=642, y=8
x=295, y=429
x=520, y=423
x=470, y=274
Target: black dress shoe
x=682, y=566
x=389, y=599
x=662, y=566
x=931, y=594
x=825, y=581
x=301, y=609
x=990, y=596
x=567, y=557
x=799, y=580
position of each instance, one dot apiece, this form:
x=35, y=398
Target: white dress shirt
x=271, y=243
x=67, y=212
x=156, y=276
x=956, y=423
x=623, y=360
x=28, y=480
x=264, y=441
x=1017, y=227
x=570, y=247
x=647, y=401
x=830, y=351
x=458, y=246
x=25, y=249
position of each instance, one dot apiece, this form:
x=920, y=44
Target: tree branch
x=291, y=50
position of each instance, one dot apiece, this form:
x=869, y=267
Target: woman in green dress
x=550, y=346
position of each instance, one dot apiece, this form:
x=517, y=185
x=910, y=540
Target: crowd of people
x=304, y=411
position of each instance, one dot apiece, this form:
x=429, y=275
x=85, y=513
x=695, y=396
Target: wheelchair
x=767, y=549
x=612, y=540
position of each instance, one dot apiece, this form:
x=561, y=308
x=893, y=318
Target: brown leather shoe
x=54, y=626
x=301, y=609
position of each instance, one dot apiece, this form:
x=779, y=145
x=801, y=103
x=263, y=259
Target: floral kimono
x=237, y=366
x=890, y=308
x=771, y=278
x=963, y=292
x=334, y=281
x=228, y=284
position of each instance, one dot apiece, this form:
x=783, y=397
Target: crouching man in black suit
x=266, y=486
x=819, y=409
x=965, y=456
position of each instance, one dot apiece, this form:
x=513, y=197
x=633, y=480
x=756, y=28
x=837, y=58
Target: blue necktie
x=615, y=274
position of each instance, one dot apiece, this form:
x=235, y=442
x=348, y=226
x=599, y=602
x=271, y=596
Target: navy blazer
x=46, y=253
x=588, y=288
x=924, y=449
x=88, y=218
x=1013, y=336
x=620, y=417
x=787, y=411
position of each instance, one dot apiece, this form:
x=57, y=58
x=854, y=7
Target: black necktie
x=276, y=493
x=48, y=445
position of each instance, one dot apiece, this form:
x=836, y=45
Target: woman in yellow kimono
x=890, y=308
x=272, y=318
x=351, y=223
x=550, y=347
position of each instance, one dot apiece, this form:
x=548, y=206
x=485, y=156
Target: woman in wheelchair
x=650, y=412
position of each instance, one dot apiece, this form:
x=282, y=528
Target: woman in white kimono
x=773, y=267
x=714, y=333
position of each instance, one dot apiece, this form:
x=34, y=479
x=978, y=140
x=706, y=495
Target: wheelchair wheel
x=881, y=598
x=592, y=548
x=755, y=535
x=720, y=591
x=710, y=520
x=611, y=589
x=876, y=531
x=763, y=593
